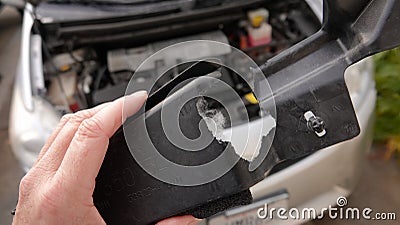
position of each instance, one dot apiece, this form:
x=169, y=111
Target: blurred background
x=379, y=184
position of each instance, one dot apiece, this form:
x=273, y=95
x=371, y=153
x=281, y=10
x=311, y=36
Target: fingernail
x=132, y=103
x=139, y=93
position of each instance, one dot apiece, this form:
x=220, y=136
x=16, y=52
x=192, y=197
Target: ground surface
x=379, y=187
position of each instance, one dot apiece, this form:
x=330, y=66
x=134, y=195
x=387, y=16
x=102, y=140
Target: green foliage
x=387, y=76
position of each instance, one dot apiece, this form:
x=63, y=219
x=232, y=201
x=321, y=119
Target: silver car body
x=315, y=181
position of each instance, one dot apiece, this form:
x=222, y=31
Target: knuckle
x=91, y=127
x=73, y=120
x=83, y=114
x=25, y=185
x=65, y=118
x=29, y=183
x=76, y=118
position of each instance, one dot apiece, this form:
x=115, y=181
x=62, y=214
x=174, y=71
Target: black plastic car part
x=313, y=108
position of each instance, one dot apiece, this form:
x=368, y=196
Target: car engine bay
x=78, y=75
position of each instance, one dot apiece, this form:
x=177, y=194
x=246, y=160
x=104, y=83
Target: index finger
x=86, y=152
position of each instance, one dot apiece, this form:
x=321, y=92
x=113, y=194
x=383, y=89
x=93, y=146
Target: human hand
x=59, y=187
